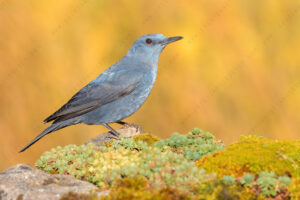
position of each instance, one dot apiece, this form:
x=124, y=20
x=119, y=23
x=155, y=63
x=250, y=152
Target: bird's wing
x=109, y=87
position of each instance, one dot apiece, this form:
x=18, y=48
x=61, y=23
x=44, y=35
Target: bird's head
x=149, y=47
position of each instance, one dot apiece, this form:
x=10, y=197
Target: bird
x=116, y=93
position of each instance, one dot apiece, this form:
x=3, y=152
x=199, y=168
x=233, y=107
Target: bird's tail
x=51, y=128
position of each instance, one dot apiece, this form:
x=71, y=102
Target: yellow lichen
x=294, y=189
x=75, y=196
x=108, y=143
x=137, y=189
x=216, y=189
x=255, y=154
x=148, y=138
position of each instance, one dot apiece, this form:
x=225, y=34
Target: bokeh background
x=237, y=71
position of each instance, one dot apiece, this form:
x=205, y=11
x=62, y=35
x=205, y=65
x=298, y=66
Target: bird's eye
x=148, y=41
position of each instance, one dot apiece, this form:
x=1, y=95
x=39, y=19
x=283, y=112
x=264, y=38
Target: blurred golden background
x=236, y=72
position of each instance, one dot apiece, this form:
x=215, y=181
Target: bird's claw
x=113, y=136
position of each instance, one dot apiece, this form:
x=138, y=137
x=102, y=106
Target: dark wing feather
x=97, y=94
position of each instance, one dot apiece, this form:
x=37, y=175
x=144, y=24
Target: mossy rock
x=144, y=167
x=257, y=155
x=127, y=157
x=254, y=154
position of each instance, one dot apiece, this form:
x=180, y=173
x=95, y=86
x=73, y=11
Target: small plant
x=284, y=181
x=267, y=183
x=193, y=145
x=228, y=180
x=270, y=185
x=130, y=157
x=247, y=180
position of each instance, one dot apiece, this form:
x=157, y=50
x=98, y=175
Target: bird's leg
x=112, y=131
x=131, y=125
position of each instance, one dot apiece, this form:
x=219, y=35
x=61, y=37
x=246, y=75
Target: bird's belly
x=118, y=109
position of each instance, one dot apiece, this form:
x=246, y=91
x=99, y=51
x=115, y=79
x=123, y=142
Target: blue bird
x=116, y=93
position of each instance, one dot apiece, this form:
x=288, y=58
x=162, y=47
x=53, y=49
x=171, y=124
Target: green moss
x=255, y=154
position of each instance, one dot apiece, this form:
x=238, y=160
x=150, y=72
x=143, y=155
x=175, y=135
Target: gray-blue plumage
x=116, y=93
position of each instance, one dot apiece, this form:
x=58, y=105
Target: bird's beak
x=171, y=39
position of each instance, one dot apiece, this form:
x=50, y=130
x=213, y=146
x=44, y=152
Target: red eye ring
x=148, y=41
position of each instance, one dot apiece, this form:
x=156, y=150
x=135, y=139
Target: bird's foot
x=137, y=127
x=113, y=132
x=113, y=136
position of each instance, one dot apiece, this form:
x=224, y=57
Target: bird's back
x=127, y=104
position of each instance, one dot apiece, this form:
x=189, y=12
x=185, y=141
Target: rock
x=23, y=182
x=126, y=131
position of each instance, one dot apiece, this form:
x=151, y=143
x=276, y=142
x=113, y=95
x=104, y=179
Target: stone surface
x=126, y=131
x=25, y=182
